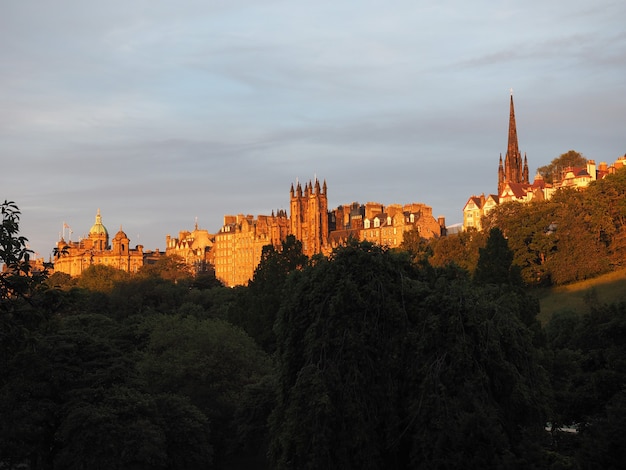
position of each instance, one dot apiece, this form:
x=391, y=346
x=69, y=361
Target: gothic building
x=512, y=170
x=309, y=216
x=238, y=245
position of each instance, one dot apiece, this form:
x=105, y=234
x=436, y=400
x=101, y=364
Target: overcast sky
x=158, y=112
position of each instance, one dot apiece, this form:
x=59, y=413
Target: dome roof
x=98, y=228
x=121, y=234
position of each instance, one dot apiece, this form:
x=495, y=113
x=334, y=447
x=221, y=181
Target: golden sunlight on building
x=73, y=257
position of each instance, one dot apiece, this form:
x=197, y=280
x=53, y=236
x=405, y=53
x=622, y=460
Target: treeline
x=368, y=359
x=573, y=236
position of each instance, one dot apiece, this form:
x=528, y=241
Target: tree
x=170, y=267
x=340, y=332
x=260, y=303
x=461, y=249
x=553, y=172
x=208, y=361
x=101, y=278
x=419, y=247
x=382, y=364
x=17, y=278
x=495, y=263
x=588, y=373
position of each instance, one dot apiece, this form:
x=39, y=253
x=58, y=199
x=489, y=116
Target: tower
x=98, y=235
x=513, y=170
x=309, y=216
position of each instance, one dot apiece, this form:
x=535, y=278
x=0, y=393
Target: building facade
x=514, y=185
x=387, y=226
x=309, y=216
x=194, y=247
x=74, y=257
x=239, y=243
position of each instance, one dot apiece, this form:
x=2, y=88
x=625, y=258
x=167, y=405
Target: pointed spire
x=512, y=170
x=512, y=147
x=525, y=175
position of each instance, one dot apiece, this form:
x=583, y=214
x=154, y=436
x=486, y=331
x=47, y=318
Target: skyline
x=159, y=113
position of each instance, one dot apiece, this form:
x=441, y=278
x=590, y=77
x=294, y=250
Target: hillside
x=608, y=288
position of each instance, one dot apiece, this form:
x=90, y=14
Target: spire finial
x=511, y=90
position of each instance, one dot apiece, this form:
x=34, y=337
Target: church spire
x=514, y=171
x=513, y=147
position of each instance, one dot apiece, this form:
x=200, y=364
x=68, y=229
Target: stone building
x=512, y=170
x=385, y=226
x=73, y=257
x=309, y=216
x=239, y=243
x=514, y=185
x=194, y=247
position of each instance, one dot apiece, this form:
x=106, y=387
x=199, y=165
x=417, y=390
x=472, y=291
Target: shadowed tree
x=495, y=261
x=258, y=307
x=384, y=365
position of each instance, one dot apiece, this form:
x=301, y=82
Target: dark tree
x=17, y=278
x=257, y=308
x=385, y=365
x=495, y=261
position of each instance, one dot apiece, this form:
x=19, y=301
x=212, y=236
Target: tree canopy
x=553, y=172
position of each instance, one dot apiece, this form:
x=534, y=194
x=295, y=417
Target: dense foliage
x=554, y=171
x=576, y=235
x=370, y=358
x=382, y=365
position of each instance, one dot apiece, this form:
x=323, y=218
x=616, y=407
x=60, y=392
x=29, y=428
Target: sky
x=163, y=113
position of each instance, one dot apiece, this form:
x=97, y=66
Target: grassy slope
x=609, y=288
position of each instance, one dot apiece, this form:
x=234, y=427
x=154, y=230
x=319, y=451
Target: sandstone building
x=239, y=243
x=514, y=185
x=194, y=247
x=74, y=257
x=512, y=170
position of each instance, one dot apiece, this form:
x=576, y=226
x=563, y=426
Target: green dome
x=98, y=228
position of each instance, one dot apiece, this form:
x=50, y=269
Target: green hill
x=578, y=297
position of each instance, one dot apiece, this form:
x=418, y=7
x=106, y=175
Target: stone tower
x=98, y=237
x=513, y=170
x=309, y=216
